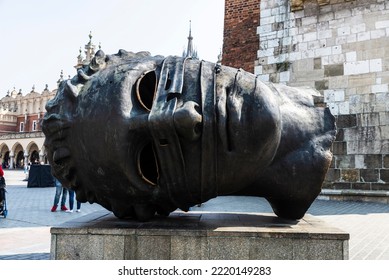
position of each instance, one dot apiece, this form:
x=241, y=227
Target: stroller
x=3, y=201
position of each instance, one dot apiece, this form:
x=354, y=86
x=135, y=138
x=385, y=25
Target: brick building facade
x=340, y=48
x=240, y=44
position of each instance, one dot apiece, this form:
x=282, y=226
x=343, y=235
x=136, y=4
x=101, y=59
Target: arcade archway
x=19, y=160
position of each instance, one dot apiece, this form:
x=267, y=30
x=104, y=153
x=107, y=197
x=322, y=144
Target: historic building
x=21, y=137
x=338, y=47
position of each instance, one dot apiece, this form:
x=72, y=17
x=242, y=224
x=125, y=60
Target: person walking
x=3, y=205
x=59, y=189
x=71, y=202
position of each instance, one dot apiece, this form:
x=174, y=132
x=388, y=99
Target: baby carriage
x=3, y=201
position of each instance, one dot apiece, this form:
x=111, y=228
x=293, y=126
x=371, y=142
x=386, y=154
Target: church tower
x=190, y=50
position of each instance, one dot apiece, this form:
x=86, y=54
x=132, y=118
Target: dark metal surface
x=142, y=134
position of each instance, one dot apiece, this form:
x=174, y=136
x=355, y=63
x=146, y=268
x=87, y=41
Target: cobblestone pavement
x=25, y=233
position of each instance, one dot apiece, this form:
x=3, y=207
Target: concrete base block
x=200, y=236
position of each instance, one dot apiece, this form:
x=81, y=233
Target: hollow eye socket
x=146, y=88
x=147, y=165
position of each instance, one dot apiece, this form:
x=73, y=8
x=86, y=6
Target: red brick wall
x=7, y=127
x=241, y=42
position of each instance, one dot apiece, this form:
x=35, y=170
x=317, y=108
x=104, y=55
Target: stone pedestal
x=198, y=235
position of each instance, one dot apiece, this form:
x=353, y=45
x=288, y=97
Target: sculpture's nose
x=188, y=121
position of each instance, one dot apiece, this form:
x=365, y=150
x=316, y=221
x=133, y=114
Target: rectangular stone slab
x=200, y=236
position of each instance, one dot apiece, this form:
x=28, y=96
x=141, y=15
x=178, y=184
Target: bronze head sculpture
x=142, y=134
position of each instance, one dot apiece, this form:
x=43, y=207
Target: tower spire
x=189, y=49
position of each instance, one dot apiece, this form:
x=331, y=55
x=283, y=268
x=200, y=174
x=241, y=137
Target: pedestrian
x=3, y=210
x=59, y=189
x=71, y=202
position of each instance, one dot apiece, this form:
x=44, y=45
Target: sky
x=39, y=38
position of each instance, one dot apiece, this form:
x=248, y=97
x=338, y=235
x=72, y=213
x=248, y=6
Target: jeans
x=58, y=190
x=71, y=201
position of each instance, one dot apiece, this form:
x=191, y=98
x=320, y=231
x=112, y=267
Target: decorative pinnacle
x=190, y=30
x=60, y=78
x=189, y=49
